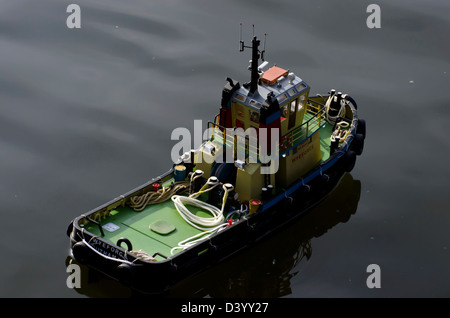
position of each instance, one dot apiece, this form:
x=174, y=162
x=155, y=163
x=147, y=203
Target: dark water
x=86, y=115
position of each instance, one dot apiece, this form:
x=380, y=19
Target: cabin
x=273, y=99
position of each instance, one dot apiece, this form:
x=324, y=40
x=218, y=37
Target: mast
x=256, y=54
x=254, y=66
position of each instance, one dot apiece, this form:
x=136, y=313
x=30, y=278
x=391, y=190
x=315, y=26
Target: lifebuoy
x=285, y=142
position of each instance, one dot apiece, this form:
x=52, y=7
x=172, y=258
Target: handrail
x=305, y=130
x=229, y=140
x=287, y=141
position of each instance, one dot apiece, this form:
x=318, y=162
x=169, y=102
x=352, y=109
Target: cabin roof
x=283, y=84
x=273, y=74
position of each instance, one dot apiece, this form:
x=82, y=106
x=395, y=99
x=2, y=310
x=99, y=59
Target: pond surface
x=87, y=114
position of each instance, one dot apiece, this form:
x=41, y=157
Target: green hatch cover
x=162, y=227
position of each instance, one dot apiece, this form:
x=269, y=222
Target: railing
x=313, y=107
x=295, y=137
x=219, y=133
x=229, y=139
x=244, y=146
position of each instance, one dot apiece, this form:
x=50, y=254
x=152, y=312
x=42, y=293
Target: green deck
x=325, y=134
x=135, y=225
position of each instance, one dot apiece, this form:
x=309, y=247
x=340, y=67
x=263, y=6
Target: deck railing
x=229, y=139
x=296, y=136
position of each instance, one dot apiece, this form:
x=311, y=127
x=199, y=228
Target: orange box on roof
x=272, y=74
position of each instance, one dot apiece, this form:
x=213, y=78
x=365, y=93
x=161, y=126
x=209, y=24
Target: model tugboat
x=271, y=146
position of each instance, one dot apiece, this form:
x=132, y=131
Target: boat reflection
x=264, y=270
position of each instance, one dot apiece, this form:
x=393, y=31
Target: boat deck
x=135, y=226
x=325, y=142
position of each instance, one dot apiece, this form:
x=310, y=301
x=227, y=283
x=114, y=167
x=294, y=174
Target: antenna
x=264, y=49
x=256, y=55
x=241, y=43
x=265, y=39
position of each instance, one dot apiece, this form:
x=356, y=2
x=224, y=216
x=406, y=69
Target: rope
x=239, y=213
x=190, y=241
x=340, y=132
x=209, y=225
x=202, y=223
x=143, y=255
x=138, y=203
x=341, y=113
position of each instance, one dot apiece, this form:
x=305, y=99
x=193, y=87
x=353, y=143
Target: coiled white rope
x=341, y=113
x=209, y=225
x=202, y=223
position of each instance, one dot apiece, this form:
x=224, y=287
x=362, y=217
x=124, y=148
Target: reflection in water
x=264, y=270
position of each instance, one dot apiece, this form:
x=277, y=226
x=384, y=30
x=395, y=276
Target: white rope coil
x=209, y=225
x=341, y=113
x=202, y=223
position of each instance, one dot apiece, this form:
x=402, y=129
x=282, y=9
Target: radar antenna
x=256, y=55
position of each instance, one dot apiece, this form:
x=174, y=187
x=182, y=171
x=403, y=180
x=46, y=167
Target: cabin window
x=292, y=112
x=302, y=102
x=254, y=116
x=282, y=97
x=255, y=103
x=293, y=104
x=283, y=112
x=240, y=97
x=300, y=87
x=292, y=92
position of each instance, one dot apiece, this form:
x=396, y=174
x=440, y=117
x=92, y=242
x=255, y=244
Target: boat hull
x=158, y=277
x=274, y=213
